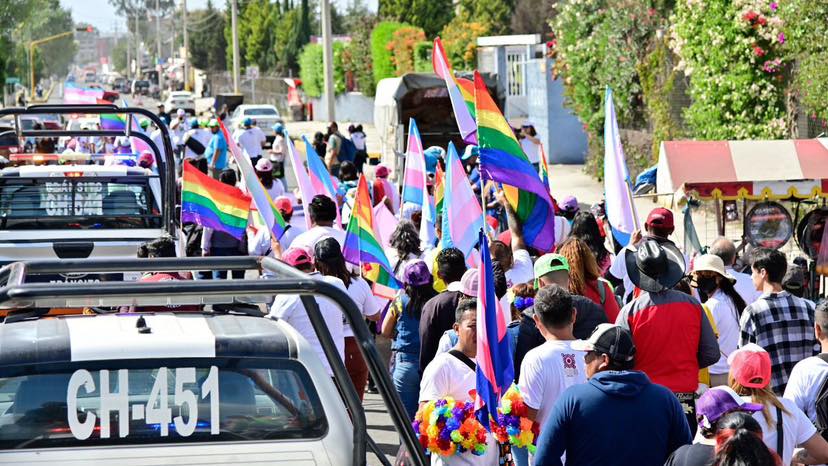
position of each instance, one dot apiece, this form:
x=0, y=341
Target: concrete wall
x=351, y=107
x=560, y=130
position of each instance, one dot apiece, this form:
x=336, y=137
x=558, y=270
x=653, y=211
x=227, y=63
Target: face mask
x=706, y=285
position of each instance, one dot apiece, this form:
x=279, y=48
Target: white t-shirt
x=804, y=383
x=368, y=304
x=521, y=271
x=562, y=229
x=744, y=286
x=290, y=309
x=201, y=135
x=796, y=425
x=277, y=189
x=531, y=150
x=250, y=142
x=287, y=238
x=446, y=376
x=546, y=372
x=727, y=323
x=309, y=238
x=393, y=259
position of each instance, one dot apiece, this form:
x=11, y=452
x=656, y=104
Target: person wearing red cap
x=385, y=189
x=750, y=377
x=659, y=226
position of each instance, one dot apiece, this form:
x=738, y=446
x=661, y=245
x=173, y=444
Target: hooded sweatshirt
x=618, y=418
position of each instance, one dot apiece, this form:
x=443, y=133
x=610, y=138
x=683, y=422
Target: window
x=260, y=112
x=202, y=402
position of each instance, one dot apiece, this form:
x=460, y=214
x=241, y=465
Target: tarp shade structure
x=752, y=170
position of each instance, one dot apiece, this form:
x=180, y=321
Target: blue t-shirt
x=217, y=148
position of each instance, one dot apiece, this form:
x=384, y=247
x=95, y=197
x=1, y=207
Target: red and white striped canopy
x=754, y=170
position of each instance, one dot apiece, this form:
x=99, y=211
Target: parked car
x=120, y=84
x=140, y=87
x=264, y=116
x=180, y=99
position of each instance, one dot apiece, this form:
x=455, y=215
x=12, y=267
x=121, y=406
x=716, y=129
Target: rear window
x=217, y=401
x=77, y=202
x=260, y=112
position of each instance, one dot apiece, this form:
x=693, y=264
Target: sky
x=102, y=15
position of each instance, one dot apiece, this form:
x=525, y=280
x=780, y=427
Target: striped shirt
x=783, y=325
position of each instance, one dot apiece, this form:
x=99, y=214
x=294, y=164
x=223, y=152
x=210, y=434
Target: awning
x=754, y=170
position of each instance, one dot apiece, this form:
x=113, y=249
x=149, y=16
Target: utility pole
x=234, y=25
x=186, y=50
x=327, y=59
x=158, y=44
x=137, y=49
x=129, y=53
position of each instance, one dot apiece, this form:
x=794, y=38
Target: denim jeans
x=406, y=377
x=521, y=456
x=224, y=252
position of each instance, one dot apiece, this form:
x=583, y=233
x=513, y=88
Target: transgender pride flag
x=72, y=94
x=414, y=179
x=462, y=215
x=320, y=177
x=495, y=372
x=620, y=208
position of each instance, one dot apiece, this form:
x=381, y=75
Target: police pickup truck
x=72, y=205
x=224, y=385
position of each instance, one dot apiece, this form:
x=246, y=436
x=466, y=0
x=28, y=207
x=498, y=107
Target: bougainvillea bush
x=732, y=52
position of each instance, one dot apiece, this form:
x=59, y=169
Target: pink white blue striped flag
x=320, y=177
x=495, y=372
x=72, y=94
x=462, y=215
x=414, y=179
x=306, y=190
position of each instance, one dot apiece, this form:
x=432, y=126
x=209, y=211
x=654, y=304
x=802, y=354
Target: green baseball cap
x=549, y=263
x=213, y=123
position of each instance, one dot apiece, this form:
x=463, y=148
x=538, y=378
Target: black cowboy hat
x=655, y=266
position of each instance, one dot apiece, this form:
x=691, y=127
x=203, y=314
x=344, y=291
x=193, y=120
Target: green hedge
x=422, y=57
x=312, y=69
x=380, y=55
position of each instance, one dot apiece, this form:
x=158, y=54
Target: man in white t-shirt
x=290, y=309
x=250, y=140
x=725, y=249
x=808, y=375
x=453, y=375
x=322, y=212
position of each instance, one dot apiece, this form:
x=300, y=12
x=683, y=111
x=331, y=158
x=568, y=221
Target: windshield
x=211, y=400
x=260, y=112
x=77, y=202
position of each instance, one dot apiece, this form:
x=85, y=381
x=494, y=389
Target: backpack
x=192, y=239
x=821, y=404
x=347, y=153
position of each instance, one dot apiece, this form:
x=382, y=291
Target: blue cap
x=247, y=122
x=471, y=151
x=278, y=128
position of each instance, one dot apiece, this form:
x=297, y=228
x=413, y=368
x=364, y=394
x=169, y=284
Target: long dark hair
x=738, y=302
x=585, y=228
x=336, y=268
x=266, y=178
x=739, y=442
x=406, y=240
x=417, y=297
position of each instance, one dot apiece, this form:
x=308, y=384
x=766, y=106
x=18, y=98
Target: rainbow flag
x=462, y=215
x=459, y=101
x=414, y=178
x=362, y=248
x=439, y=188
x=495, y=371
x=110, y=121
x=264, y=206
x=544, y=169
x=502, y=160
x=213, y=204
x=467, y=91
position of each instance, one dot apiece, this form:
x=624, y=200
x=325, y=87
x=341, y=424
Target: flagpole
x=636, y=223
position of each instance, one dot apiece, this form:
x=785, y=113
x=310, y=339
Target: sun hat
x=284, y=205
x=296, y=257
x=613, y=340
x=381, y=171
x=717, y=402
x=655, y=266
x=416, y=273
x=661, y=218
x=750, y=365
x=711, y=263
x=264, y=165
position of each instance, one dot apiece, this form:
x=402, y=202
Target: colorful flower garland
x=448, y=427
x=513, y=424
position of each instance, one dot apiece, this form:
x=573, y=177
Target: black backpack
x=821, y=404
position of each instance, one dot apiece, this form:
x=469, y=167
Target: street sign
x=252, y=72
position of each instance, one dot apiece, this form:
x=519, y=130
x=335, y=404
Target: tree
x=430, y=15
x=359, y=63
x=402, y=46
x=495, y=14
x=207, y=47
x=381, y=35
x=37, y=19
x=460, y=42
x=532, y=16
x=288, y=41
x=805, y=32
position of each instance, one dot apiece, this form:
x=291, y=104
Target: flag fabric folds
x=213, y=204
x=462, y=215
x=318, y=173
x=306, y=190
x=502, y=160
x=467, y=91
x=439, y=189
x=113, y=121
x=620, y=209
x=495, y=371
x=362, y=246
x=73, y=94
x=414, y=178
x=464, y=118
x=261, y=199
x=544, y=170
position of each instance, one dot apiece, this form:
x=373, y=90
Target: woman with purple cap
x=402, y=325
x=710, y=407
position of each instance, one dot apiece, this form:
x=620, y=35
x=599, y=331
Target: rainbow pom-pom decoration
x=448, y=427
x=512, y=424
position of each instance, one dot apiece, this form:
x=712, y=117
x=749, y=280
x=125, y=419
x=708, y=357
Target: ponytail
x=739, y=442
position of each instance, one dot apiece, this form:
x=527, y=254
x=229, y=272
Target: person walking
x=405, y=247
x=784, y=425
x=333, y=141
x=726, y=250
x=778, y=321
x=250, y=139
x=322, y=212
x=531, y=144
x=809, y=376
x=604, y=422
x=216, y=153
x=551, y=368
x=217, y=243
x=438, y=313
x=726, y=305
x=196, y=141
x=264, y=171
x=671, y=330
x=585, y=227
x=585, y=277
x=402, y=326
